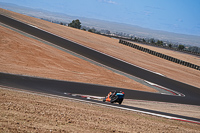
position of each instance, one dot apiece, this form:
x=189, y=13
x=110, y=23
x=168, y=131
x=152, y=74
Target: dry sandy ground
x=183, y=56
x=25, y=112
x=23, y=55
x=112, y=47
x=173, y=108
x=31, y=113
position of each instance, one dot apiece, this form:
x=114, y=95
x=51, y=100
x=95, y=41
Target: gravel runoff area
x=30, y=112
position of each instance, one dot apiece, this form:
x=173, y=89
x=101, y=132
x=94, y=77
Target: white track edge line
x=134, y=110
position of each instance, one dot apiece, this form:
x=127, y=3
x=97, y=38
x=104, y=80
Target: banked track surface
x=192, y=94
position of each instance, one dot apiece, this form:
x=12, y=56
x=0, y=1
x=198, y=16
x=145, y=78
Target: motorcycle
x=114, y=97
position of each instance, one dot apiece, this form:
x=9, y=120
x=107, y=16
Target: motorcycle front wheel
x=113, y=99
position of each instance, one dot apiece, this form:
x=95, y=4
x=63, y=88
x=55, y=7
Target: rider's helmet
x=122, y=92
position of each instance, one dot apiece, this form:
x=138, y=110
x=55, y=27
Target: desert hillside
x=24, y=55
x=23, y=111
x=112, y=47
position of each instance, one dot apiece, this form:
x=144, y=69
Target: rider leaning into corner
x=114, y=96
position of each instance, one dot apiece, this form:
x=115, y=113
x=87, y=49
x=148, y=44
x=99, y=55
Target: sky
x=178, y=16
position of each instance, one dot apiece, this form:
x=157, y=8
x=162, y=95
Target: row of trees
x=157, y=42
x=77, y=24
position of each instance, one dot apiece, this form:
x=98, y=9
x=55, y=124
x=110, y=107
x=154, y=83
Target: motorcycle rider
x=112, y=94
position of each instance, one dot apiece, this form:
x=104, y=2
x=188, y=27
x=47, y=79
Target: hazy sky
x=179, y=16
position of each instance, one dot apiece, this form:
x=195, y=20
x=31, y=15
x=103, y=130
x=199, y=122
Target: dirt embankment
x=22, y=112
x=112, y=47
x=23, y=55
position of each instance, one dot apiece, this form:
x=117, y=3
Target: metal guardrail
x=166, y=57
x=166, y=47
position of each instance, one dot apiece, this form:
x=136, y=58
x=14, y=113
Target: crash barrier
x=169, y=58
x=166, y=47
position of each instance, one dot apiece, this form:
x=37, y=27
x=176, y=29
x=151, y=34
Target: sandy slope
x=112, y=47
x=23, y=55
x=21, y=112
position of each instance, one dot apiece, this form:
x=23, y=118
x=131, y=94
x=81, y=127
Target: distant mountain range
x=106, y=25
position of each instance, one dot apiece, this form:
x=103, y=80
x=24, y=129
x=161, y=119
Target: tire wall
x=160, y=55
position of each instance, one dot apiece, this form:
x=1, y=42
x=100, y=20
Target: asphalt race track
x=60, y=88
x=192, y=94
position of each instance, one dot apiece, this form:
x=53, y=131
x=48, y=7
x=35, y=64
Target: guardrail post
x=186, y=63
x=166, y=57
x=196, y=67
x=176, y=60
x=192, y=66
x=172, y=59
x=160, y=55
x=189, y=65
